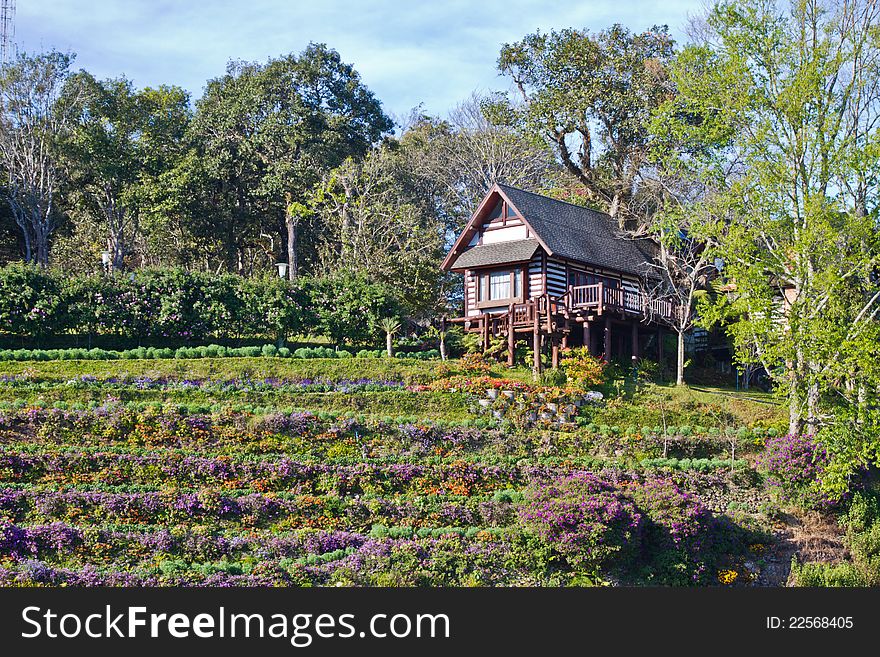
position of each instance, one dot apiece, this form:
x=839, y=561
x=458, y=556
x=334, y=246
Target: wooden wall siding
x=624, y=278
x=470, y=293
x=557, y=277
x=536, y=275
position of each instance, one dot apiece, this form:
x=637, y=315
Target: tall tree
x=123, y=141
x=33, y=117
x=373, y=221
x=798, y=86
x=269, y=132
x=591, y=96
x=455, y=160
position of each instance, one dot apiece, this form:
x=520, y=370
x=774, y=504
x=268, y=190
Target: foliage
x=266, y=132
x=350, y=308
x=795, y=466
x=34, y=118
x=474, y=363
x=779, y=105
x=115, y=153
x=593, y=93
x=554, y=378
x=581, y=368
x=32, y=301
x=193, y=306
x=676, y=532
x=583, y=518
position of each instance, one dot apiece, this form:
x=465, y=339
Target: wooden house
x=558, y=274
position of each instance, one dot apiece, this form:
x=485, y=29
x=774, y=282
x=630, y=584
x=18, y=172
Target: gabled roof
x=564, y=230
x=497, y=254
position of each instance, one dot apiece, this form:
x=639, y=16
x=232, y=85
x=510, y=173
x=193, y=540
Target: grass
x=331, y=369
x=665, y=405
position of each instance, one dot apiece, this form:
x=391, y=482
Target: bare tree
x=461, y=157
x=680, y=271
x=32, y=117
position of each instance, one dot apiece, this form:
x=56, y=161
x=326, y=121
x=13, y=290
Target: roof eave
x=457, y=250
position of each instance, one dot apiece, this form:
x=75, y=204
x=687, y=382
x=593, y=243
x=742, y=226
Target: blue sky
x=435, y=53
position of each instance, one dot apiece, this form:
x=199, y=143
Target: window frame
x=517, y=275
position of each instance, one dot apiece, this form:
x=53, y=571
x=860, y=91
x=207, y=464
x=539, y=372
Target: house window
x=499, y=285
x=503, y=286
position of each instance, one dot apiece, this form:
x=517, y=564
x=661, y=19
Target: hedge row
x=191, y=306
x=210, y=351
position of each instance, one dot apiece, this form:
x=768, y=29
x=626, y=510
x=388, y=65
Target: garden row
x=329, y=436
x=209, y=351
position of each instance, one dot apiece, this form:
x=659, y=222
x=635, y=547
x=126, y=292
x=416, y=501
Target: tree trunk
x=812, y=409
x=794, y=406
x=292, y=265
x=42, y=243
x=389, y=347
x=116, y=247
x=443, y=354
x=679, y=368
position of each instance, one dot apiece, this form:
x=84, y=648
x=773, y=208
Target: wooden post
x=606, y=353
x=536, y=346
x=536, y=342
x=587, y=336
x=567, y=325
x=660, y=346
x=485, y=332
x=511, y=338
x=635, y=342
x=549, y=315
x=554, y=360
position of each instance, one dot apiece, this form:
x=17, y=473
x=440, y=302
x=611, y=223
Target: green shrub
x=554, y=377
x=826, y=574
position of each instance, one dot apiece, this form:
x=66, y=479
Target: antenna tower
x=7, y=30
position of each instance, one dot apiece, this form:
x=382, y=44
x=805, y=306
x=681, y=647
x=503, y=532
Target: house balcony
x=600, y=299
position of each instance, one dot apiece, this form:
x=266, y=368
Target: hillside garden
x=269, y=471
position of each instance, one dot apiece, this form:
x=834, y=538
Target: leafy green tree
x=267, y=133
x=123, y=141
x=372, y=221
x=350, y=308
x=795, y=88
x=591, y=96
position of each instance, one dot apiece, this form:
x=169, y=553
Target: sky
x=409, y=53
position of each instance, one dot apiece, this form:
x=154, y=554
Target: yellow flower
x=727, y=576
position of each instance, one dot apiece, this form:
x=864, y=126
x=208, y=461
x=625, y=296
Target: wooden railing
x=603, y=298
x=543, y=311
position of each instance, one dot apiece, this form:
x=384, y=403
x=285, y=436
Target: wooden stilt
x=606, y=351
x=554, y=360
x=485, y=332
x=511, y=338
x=536, y=346
x=587, y=337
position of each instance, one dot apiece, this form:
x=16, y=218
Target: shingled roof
x=578, y=233
x=497, y=254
